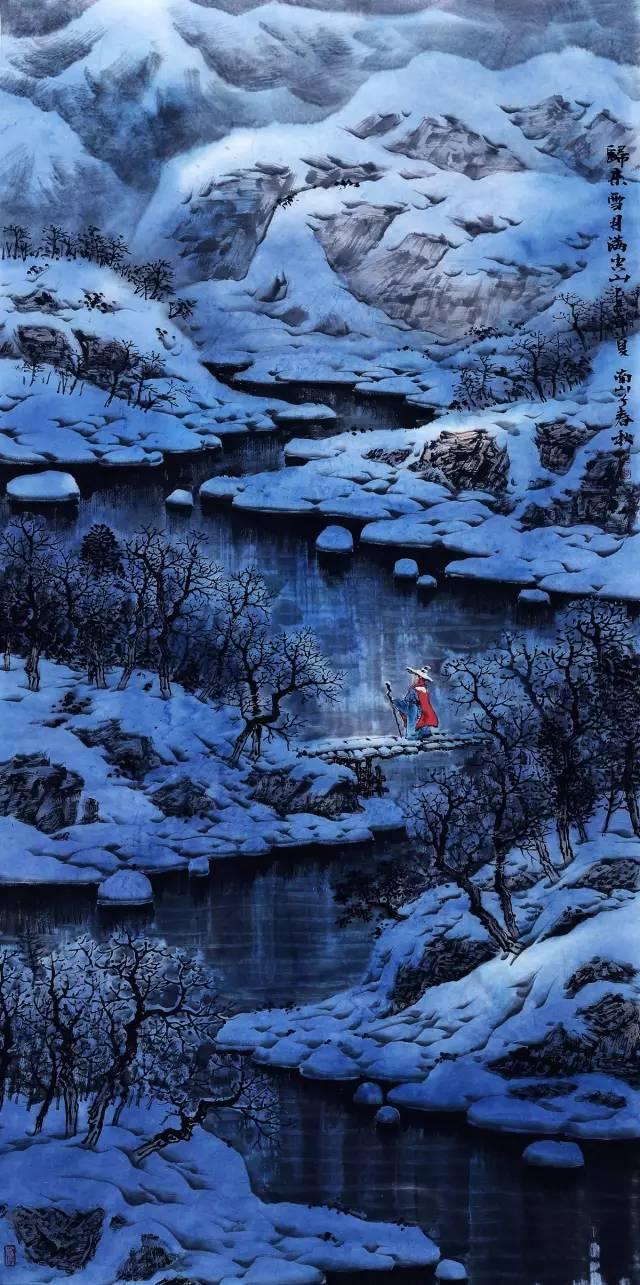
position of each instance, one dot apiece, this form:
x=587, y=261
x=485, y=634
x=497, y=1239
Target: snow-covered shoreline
x=97, y=734
x=192, y=1203
x=507, y=1044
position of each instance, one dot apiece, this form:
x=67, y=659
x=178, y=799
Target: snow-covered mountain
x=320, y=175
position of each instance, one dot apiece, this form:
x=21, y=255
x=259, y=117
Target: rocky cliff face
x=327, y=150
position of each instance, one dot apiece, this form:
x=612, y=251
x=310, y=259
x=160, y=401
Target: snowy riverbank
x=484, y=489
x=543, y=1042
x=145, y=784
x=188, y=1209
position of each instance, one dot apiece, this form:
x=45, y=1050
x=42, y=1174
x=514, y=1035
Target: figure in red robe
x=415, y=708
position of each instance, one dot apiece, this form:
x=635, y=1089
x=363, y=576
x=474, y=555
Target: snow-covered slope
x=232, y=141
x=545, y=1043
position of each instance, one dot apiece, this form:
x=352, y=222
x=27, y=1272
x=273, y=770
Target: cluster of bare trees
x=560, y=722
x=117, y=366
x=117, y=1022
x=536, y=365
x=161, y=604
x=153, y=280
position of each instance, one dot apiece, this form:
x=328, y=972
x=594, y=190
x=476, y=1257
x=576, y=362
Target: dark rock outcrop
x=558, y=442
x=347, y=237
x=445, y=960
x=598, y=970
x=224, y=222
x=467, y=461
x=287, y=794
x=150, y=1257
x=446, y=142
x=43, y=344
x=558, y=127
x=605, y=499
x=133, y=754
x=608, y=875
x=376, y=124
x=183, y=798
x=39, y=792
x=607, y=1041
x=55, y=1238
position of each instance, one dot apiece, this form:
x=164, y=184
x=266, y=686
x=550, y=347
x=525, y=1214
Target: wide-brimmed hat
x=421, y=673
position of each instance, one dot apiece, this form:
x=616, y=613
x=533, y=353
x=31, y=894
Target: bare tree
x=272, y=670
x=174, y=585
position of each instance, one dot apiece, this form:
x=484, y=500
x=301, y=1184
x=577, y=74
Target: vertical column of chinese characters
x=617, y=247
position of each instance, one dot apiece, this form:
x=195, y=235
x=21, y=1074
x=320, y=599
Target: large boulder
x=468, y=460
x=39, y=792
x=56, y=1238
x=125, y=888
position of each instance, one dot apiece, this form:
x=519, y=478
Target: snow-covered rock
x=449, y=1269
x=427, y=583
x=125, y=888
x=388, y=1117
x=553, y=1155
x=50, y=487
x=534, y=598
x=221, y=489
x=199, y=867
x=314, y=412
x=368, y=1095
x=180, y=499
x=335, y=539
x=406, y=569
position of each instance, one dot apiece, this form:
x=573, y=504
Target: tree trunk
x=564, y=836
x=98, y=1112
x=129, y=666
x=241, y=740
x=582, y=831
x=628, y=785
x=164, y=674
x=488, y=921
x=99, y=677
x=177, y=1133
x=7, y=656
x=32, y=669
x=504, y=897
x=631, y=801
x=544, y=856
x=45, y=1105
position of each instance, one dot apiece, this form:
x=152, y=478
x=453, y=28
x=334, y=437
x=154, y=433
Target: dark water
x=271, y=932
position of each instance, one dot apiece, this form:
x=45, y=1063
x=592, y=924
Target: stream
x=271, y=929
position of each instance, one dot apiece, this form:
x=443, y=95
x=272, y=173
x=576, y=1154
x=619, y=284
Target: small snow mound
x=553, y=1155
x=389, y=1117
x=335, y=539
x=307, y=411
x=406, y=569
x=368, y=1095
x=50, y=487
x=268, y=1270
x=125, y=888
x=534, y=598
x=199, y=866
x=220, y=488
x=180, y=499
x=450, y=1270
x=427, y=582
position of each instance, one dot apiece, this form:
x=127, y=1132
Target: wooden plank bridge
x=361, y=748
